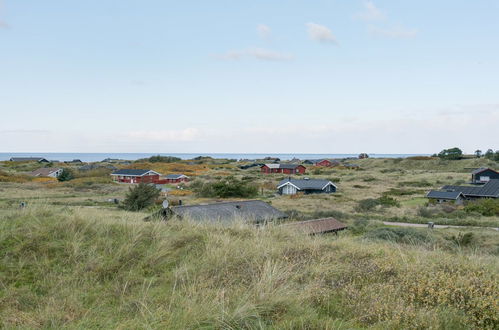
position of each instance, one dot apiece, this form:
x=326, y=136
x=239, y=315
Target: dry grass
x=92, y=268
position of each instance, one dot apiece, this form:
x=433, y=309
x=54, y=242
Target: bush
x=226, y=188
x=367, y=204
x=451, y=154
x=400, y=192
x=370, y=204
x=422, y=183
x=388, y=201
x=66, y=175
x=462, y=239
x=159, y=159
x=486, y=207
x=139, y=197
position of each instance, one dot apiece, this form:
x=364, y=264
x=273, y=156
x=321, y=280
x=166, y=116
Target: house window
x=485, y=178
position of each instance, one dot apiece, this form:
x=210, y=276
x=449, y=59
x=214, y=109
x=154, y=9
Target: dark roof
x=444, y=194
x=175, y=176
x=252, y=211
x=490, y=189
x=28, y=159
x=313, y=161
x=318, y=226
x=482, y=169
x=306, y=184
x=131, y=172
x=285, y=166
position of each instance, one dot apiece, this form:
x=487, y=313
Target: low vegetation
x=62, y=268
x=486, y=207
x=140, y=197
x=72, y=258
x=226, y=188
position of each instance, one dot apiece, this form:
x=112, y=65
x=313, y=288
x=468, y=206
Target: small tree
x=451, y=154
x=478, y=153
x=140, y=197
x=66, y=175
x=489, y=154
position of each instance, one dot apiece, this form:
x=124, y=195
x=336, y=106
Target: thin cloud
x=264, y=31
x=370, y=13
x=256, y=53
x=4, y=25
x=320, y=33
x=394, y=32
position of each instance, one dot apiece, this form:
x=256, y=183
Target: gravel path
x=422, y=225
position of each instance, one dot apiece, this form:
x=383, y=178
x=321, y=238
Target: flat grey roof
x=444, y=194
x=250, y=211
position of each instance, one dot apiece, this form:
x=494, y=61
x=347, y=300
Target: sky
x=318, y=76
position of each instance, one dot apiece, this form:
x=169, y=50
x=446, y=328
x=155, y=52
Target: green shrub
x=159, y=159
x=461, y=239
x=66, y=175
x=225, y=188
x=367, y=204
x=388, y=201
x=370, y=204
x=422, y=183
x=400, y=192
x=486, y=207
x=139, y=197
x=451, y=154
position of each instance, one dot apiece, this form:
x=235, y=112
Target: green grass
x=64, y=267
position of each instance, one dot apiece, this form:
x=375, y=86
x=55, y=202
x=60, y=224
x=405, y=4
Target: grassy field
x=65, y=267
x=73, y=259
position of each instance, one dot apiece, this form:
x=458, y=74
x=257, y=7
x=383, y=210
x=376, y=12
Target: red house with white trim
x=136, y=176
x=176, y=178
x=283, y=168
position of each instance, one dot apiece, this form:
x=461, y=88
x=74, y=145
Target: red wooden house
x=283, y=168
x=176, y=178
x=136, y=176
x=322, y=162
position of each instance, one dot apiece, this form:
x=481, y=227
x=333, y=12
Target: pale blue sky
x=249, y=76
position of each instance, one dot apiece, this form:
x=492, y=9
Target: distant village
x=483, y=184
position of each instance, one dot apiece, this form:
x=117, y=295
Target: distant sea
x=94, y=157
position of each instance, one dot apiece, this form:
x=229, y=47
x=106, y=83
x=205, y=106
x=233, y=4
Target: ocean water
x=94, y=157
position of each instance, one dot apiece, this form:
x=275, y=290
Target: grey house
x=488, y=190
x=291, y=186
x=456, y=197
x=252, y=211
x=483, y=175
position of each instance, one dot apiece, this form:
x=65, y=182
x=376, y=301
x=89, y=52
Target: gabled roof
x=176, y=176
x=44, y=171
x=444, y=194
x=285, y=166
x=490, y=189
x=133, y=172
x=251, y=211
x=482, y=169
x=318, y=226
x=306, y=184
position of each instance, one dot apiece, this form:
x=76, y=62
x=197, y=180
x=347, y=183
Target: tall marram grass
x=63, y=269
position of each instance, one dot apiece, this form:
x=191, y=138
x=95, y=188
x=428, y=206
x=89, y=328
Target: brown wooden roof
x=319, y=226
